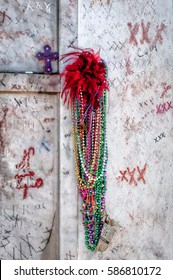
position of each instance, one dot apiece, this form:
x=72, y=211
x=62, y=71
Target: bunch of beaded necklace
x=85, y=88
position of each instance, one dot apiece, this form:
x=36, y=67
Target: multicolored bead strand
x=91, y=159
x=87, y=97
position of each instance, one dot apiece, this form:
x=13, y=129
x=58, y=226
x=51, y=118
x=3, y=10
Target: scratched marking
x=31, y=6
x=146, y=102
x=129, y=175
x=38, y=6
x=162, y=108
x=100, y=2
x=5, y=239
x=134, y=30
x=160, y=137
x=128, y=67
x=47, y=108
x=66, y=172
x=131, y=125
x=39, y=206
x=145, y=29
x=67, y=135
x=3, y=16
x=159, y=37
x=117, y=45
x=166, y=88
x=49, y=120
x=12, y=218
x=45, y=144
x=24, y=167
x=147, y=51
x=69, y=256
x=24, y=246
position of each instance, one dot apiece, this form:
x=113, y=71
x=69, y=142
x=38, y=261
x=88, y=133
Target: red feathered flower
x=87, y=74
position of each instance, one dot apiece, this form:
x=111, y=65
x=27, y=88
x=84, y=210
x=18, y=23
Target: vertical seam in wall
x=63, y=46
x=77, y=195
x=58, y=147
x=58, y=179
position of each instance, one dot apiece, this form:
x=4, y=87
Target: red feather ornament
x=86, y=74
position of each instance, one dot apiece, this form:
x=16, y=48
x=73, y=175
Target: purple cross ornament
x=47, y=56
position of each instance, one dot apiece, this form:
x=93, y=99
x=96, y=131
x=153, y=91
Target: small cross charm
x=47, y=56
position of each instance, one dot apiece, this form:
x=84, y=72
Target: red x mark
x=166, y=88
x=123, y=175
x=132, y=179
x=160, y=108
x=141, y=173
x=133, y=32
x=145, y=30
x=164, y=107
x=132, y=173
x=169, y=105
x=159, y=37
